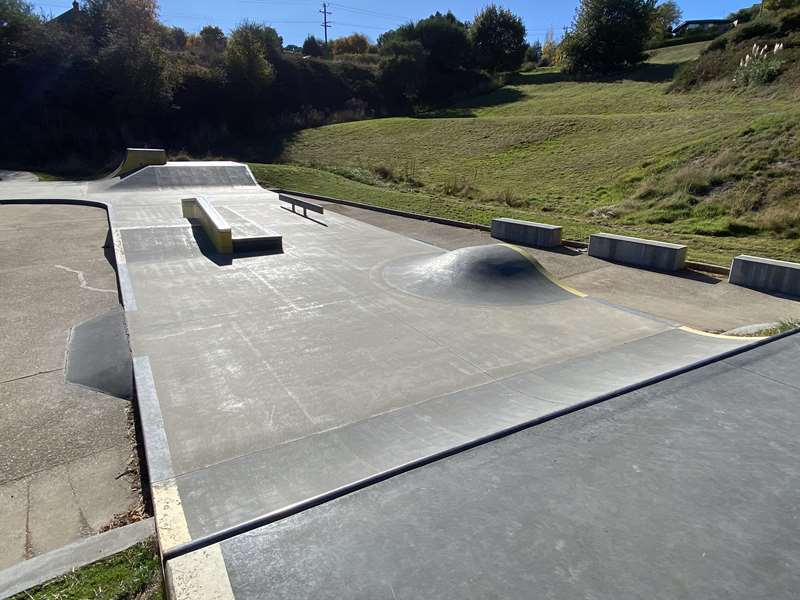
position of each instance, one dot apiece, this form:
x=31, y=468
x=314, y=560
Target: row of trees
x=111, y=74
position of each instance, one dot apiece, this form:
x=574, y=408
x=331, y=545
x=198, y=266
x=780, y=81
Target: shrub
x=755, y=29
x=719, y=43
x=313, y=47
x=356, y=43
x=760, y=66
x=789, y=22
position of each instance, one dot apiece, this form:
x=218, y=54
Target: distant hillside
x=716, y=166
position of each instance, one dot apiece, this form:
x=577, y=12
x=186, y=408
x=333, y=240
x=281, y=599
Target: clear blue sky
x=295, y=19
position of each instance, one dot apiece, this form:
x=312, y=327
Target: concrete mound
x=491, y=274
x=188, y=175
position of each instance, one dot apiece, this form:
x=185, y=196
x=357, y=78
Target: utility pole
x=325, y=25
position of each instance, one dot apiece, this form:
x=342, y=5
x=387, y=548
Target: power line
x=325, y=25
x=367, y=12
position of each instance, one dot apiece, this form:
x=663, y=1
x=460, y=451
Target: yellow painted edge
x=739, y=338
x=171, y=525
x=199, y=575
x=544, y=271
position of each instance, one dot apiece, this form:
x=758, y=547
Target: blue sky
x=296, y=19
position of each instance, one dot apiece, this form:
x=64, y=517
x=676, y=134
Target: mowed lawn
x=542, y=148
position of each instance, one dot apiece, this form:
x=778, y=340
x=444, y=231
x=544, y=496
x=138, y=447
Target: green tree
x=212, y=38
x=402, y=68
x=313, y=47
x=247, y=59
x=665, y=18
x=534, y=53
x=607, y=35
x=498, y=39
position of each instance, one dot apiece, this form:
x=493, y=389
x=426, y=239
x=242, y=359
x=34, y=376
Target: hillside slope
x=624, y=156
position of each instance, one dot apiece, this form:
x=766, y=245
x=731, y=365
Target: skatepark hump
x=493, y=274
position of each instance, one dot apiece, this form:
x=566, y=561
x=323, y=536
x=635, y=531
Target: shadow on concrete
x=304, y=216
x=206, y=247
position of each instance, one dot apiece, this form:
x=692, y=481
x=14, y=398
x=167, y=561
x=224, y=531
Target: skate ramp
x=187, y=175
x=138, y=158
x=491, y=275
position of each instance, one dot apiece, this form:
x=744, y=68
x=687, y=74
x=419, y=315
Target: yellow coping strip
x=544, y=271
x=197, y=575
x=719, y=336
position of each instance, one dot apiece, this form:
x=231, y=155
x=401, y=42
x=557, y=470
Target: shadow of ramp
x=99, y=356
x=487, y=275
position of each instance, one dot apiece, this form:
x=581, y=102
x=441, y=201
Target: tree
x=549, y=49
x=534, y=53
x=212, y=38
x=402, y=68
x=313, y=47
x=356, y=43
x=665, y=18
x=607, y=35
x=247, y=59
x=498, y=39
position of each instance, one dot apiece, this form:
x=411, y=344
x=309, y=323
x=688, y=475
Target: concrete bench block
x=651, y=254
x=526, y=233
x=213, y=223
x=766, y=274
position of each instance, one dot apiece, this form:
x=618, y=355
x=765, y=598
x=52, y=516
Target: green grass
x=132, y=574
x=714, y=168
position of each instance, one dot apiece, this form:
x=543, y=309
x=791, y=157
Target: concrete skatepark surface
x=64, y=448
x=265, y=381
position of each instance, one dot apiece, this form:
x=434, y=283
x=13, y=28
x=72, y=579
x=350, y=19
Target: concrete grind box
x=650, y=254
x=766, y=274
x=526, y=233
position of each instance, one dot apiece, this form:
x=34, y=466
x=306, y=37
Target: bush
x=607, y=35
x=720, y=43
x=789, y=22
x=756, y=29
x=313, y=47
x=759, y=67
x=356, y=43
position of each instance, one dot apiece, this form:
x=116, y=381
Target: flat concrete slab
x=686, y=485
x=64, y=449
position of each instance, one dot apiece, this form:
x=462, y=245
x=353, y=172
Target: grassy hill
x=716, y=167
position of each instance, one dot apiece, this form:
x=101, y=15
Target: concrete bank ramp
x=187, y=175
x=495, y=274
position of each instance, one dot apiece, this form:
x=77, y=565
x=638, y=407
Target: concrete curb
x=54, y=564
x=698, y=266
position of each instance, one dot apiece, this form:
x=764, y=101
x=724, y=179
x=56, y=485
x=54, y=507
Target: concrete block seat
x=766, y=274
x=650, y=254
x=220, y=233
x=526, y=233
